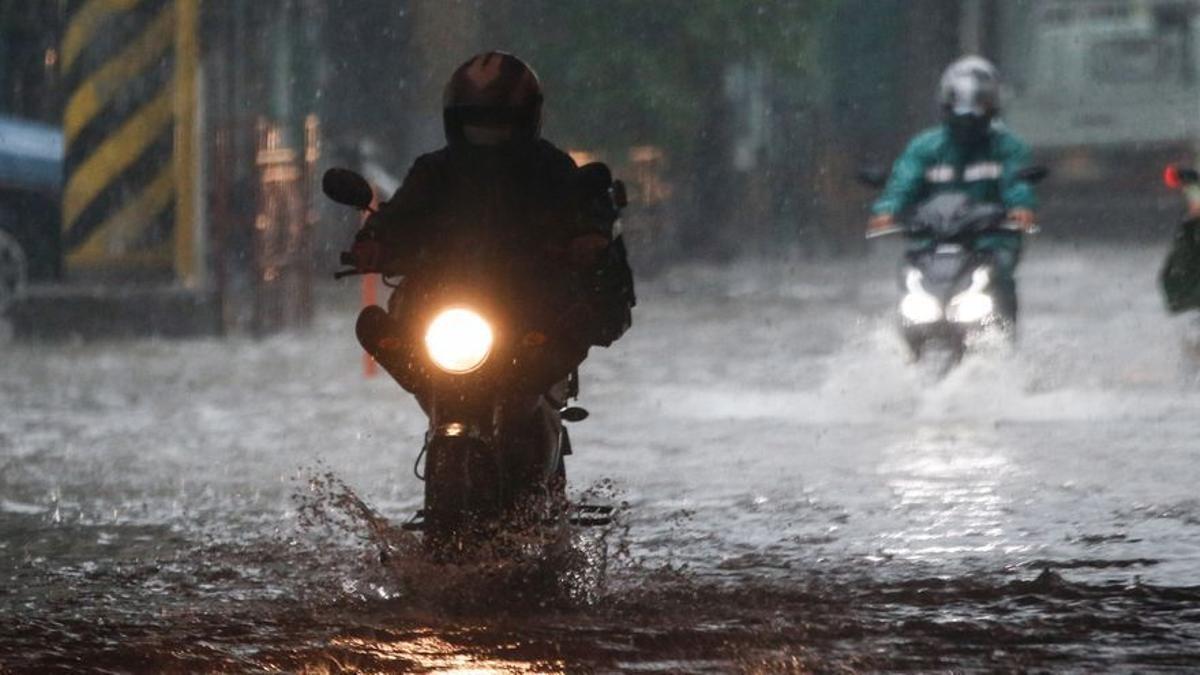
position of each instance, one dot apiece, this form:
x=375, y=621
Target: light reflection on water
x=431, y=653
x=948, y=484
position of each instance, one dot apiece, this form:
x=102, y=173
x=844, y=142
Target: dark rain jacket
x=519, y=201
x=934, y=163
x=518, y=205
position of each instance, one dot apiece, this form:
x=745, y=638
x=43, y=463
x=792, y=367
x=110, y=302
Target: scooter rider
x=498, y=190
x=971, y=151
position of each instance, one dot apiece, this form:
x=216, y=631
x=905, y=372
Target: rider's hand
x=880, y=223
x=1024, y=218
x=368, y=254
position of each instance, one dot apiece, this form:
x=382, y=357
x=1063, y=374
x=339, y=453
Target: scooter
x=951, y=295
x=477, y=360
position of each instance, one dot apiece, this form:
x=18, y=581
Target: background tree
x=664, y=73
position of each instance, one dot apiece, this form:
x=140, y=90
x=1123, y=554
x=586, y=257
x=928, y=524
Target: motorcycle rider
x=1180, y=275
x=971, y=151
x=498, y=190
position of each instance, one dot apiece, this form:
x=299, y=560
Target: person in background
x=970, y=151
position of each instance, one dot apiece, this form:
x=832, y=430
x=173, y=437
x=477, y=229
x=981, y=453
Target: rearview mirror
x=595, y=175
x=347, y=187
x=573, y=414
x=873, y=176
x=1033, y=174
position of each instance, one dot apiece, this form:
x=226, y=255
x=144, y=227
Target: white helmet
x=970, y=86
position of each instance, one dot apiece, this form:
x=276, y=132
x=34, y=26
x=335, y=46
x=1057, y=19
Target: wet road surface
x=796, y=498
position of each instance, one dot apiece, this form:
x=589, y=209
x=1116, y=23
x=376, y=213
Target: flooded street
x=796, y=496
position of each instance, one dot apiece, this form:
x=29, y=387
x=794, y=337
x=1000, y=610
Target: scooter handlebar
x=885, y=231
x=1015, y=226
x=1006, y=226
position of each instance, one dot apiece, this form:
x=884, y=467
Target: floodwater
x=794, y=497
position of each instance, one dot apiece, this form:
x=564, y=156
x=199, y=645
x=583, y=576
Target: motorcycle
x=951, y=295
x=480, y=363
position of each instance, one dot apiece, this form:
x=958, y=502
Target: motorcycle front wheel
x=463, y=494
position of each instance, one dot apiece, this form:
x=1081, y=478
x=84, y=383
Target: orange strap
x=369, y=286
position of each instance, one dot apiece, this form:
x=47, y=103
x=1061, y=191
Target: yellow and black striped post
x=129, y=133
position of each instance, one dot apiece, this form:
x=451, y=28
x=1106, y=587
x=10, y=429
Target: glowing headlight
x=458, y=340
x=970, y=307
x=972, y=304
x=918, y=306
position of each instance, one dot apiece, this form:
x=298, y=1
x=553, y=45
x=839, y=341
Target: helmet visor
x=490, y=116
x=973, y=107
x=489, y=135
x=969, y=129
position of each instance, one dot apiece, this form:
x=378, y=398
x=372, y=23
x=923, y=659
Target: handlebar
x=348, y=258
x=1006, y=226
x=883, y=232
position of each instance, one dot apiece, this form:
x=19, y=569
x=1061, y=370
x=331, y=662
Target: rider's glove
x=880, y=223
x=1023, y=217
x=368, y=254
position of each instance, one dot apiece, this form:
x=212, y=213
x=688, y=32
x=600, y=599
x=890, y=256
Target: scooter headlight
x=459, y=340
x=970, y=307
x=918, y=306
x=974, y=304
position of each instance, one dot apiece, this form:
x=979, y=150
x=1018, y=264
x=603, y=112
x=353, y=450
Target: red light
x=1171, y=177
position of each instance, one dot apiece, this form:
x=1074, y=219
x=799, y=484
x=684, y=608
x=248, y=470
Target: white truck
x=1107, y=92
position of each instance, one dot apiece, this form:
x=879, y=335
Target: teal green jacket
x=933, y=163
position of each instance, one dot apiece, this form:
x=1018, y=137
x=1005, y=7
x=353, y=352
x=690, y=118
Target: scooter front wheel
x=936, y=357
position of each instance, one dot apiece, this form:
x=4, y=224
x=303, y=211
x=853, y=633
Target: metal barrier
x=128, y=126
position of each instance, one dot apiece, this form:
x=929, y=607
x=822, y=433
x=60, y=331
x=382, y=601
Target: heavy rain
x=708, y=336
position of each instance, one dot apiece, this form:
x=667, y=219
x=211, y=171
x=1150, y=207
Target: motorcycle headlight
x=918, y=306
x=458, y=340
x=973, y=304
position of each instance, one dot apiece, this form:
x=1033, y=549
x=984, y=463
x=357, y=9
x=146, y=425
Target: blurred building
x=1108, y=92
x=188, y=135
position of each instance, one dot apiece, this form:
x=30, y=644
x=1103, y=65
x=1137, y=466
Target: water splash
x=550, y=564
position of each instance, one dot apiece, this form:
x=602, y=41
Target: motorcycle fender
x=463, y=481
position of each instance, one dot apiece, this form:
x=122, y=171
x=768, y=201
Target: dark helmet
x=969, y=95
x=492, y=98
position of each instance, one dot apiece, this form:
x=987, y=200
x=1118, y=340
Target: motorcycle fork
x=455, y=419
x=465, y=477
x=492, y=470
x=511, y=436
